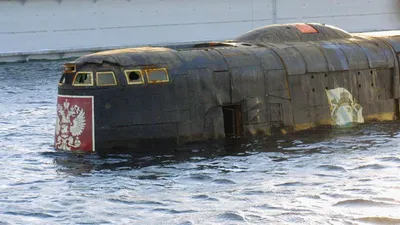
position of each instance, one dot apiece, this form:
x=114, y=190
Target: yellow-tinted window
x=134, y=76
x=157, y=75
x=83, y=79
x=69, y=68
x=105, y=79
x=62, y=80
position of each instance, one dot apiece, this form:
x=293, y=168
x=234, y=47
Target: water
x=322, y=177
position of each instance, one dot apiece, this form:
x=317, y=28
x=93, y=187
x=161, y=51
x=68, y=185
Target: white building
x=62, y=28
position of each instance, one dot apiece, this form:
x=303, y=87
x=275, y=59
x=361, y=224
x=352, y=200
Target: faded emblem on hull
x=70, y=124
x=344, y=108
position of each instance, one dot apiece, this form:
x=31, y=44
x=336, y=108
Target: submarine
x=274, y=79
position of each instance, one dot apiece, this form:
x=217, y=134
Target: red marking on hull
x=306, y=29
x=75, y=126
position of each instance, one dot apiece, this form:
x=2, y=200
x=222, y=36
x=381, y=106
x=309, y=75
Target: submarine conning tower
x=282, y=78
x=293, y=33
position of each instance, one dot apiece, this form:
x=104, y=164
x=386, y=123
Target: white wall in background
x=37, y=25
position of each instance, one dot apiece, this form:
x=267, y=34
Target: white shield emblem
x=69, y=126
x=344, y=108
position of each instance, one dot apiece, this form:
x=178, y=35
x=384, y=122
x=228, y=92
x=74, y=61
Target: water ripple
x=231, y=216
x=362, y=203
x=282, y=179
x=371, y=166
x=380, y=220
x=332, y=168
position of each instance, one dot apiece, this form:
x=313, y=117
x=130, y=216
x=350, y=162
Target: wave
x=363, y=203
x=380, y=220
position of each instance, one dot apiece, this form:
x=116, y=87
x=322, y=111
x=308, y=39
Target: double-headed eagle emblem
x=344, y=108
x=70, y=124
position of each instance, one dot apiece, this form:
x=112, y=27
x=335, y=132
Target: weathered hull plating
x=279, y=78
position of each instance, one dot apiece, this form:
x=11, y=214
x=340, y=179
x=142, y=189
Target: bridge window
x=157, y=75
x=69, y=68
x=83, y=79
x=62, y=80
x=105, y=79
x=134, y=76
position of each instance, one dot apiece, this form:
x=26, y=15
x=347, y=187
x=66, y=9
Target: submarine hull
x=281, y=78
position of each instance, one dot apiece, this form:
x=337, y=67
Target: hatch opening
x=233, y=125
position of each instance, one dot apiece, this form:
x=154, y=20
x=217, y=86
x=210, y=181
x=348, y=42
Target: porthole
x=157, y=75
x=134, y=76
x=62, y=80
x=69, y=68
x=105, y=79
x=83, y=79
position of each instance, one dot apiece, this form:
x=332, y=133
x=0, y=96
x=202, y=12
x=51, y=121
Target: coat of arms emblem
x=73, y=126
x=344, y=108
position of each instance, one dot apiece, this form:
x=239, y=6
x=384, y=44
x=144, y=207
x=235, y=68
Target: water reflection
x=323, y=176
x=280, y=147
x=77, y=164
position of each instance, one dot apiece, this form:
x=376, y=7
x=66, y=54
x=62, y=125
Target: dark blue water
x=322, y=177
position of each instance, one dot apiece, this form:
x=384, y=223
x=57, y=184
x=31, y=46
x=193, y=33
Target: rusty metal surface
x=277, y=77
x=394, y=42
x=354, y=53
x=337, y=61
x=289, y=33
x=291, y=57
x=268, y=58
x=313, y=56
x=375, y=54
